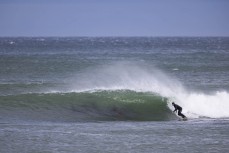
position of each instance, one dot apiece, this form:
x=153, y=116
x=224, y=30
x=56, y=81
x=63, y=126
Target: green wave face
x=87, y=106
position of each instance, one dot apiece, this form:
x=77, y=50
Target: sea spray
x=127, y=75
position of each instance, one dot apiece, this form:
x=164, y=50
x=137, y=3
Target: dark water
x=89, y=92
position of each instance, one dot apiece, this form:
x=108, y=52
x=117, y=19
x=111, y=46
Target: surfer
x=177, y=107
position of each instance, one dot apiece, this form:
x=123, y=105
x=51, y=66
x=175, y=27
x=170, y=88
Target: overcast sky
x=114, y=17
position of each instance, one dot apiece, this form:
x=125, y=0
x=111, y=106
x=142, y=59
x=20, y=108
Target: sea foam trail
x=144, y=78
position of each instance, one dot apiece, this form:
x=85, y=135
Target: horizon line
x=106, y=36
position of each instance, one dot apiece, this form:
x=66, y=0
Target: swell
x=86, y=106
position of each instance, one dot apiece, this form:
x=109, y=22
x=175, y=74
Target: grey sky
x=114, y=17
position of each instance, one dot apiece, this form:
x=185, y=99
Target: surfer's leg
x=180, y=114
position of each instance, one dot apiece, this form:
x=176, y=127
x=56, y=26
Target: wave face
x=88, y=106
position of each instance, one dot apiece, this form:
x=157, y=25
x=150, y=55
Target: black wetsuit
x=177, y=107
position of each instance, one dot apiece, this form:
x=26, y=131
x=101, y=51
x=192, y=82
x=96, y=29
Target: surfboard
x=183, y=119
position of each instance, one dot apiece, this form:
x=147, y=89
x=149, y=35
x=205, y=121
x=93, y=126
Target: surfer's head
x=173, y=103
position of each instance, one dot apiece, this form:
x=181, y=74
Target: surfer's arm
x=175, y=110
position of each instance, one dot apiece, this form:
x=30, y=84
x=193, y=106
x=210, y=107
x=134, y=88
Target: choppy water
x=105, y=85
x=127, y=137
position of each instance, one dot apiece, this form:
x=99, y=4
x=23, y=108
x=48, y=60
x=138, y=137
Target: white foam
x=199, y=104
x=143, y=78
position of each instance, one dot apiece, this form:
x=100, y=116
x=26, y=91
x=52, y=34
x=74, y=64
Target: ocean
x=114, y=94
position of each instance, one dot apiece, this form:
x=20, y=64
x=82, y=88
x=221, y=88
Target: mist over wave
x=126, y=75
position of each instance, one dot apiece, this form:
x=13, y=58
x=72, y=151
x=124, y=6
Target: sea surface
x=114, y=94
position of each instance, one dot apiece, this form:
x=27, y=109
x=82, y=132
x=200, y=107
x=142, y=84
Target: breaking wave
x=121, y=91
